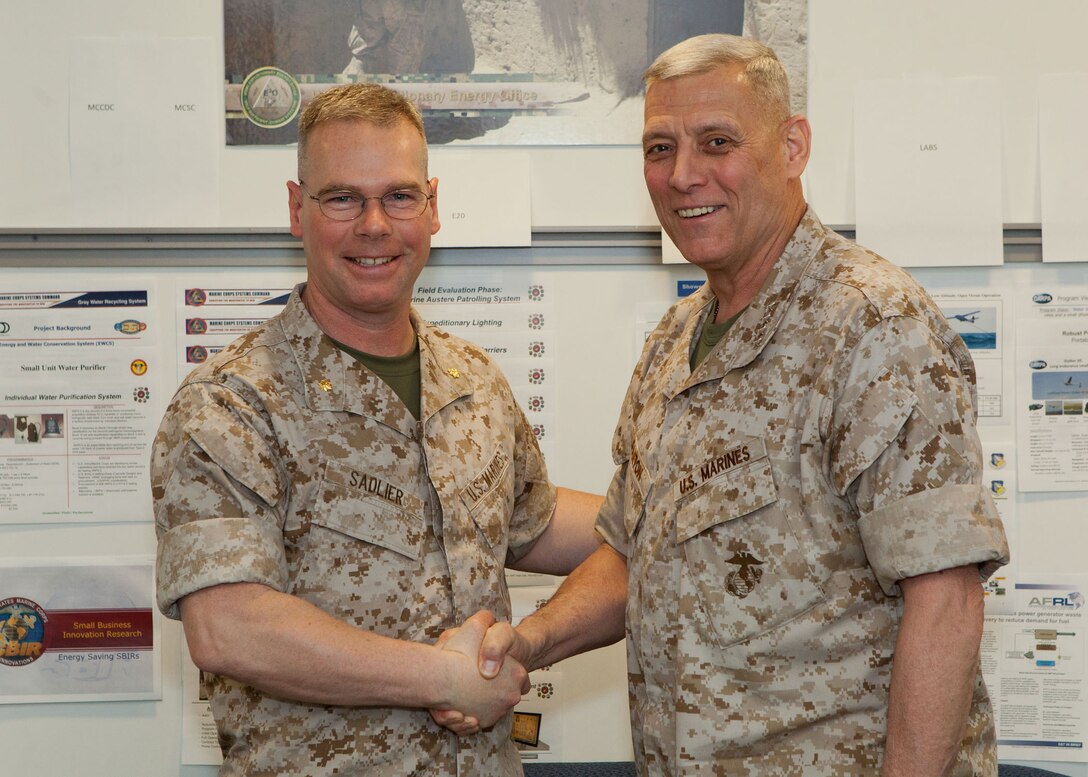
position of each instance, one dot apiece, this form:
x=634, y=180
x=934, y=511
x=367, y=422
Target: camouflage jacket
x=769, y=502
x=283, y=461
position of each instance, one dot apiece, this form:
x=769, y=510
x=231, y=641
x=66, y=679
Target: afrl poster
x=1033, y=660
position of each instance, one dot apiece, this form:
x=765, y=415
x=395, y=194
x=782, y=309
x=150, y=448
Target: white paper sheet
x=927, y=159
x=143, y=135
x=483, y=200
x=1063, y=166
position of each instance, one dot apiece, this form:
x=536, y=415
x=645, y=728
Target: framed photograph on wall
x=483, y=72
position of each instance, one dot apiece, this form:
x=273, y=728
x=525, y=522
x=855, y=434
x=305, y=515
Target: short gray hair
x=703, y=53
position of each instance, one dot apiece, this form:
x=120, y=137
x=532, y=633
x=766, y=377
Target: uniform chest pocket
x=745, y=566
x=370, y=509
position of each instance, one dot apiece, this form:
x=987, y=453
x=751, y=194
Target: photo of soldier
x=597, y=49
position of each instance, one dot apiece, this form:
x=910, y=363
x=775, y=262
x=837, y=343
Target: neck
x=735, y=291
x=391, y=335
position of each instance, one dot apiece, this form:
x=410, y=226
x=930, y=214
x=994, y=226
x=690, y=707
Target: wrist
x=443, y=690
x=532, y=648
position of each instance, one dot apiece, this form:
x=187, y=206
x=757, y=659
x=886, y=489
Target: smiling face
x=360, y=273
x=722, y=172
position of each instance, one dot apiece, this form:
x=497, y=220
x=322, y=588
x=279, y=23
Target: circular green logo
x=270, y=97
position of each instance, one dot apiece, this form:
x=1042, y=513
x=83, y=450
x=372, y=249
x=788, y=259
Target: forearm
x=285, y=646
x=570, y=537
x=934, y=673
x=586, y=612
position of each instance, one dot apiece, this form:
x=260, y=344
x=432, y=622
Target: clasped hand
x=485, y=683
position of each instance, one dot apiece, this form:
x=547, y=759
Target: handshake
x=485, y=668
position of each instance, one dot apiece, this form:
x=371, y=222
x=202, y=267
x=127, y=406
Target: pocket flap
x=727, y=486
x=370, y=509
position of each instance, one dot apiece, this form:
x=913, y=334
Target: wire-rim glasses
x=347, y=205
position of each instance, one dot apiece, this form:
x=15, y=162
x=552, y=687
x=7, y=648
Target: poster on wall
x=1034, y=664
x=978, y=318
x=560, y=72
x=80, y=395
x=78, y=630
x=199, y=737
x=1052, y=388
x=211, y=312
x=511, y=315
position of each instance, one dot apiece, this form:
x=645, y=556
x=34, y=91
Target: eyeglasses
x=349, y=205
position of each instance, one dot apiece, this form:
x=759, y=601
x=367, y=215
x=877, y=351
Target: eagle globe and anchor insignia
x=741, y=582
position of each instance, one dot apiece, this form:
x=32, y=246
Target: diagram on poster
x=1033, y=660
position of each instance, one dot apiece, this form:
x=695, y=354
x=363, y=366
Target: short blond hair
x=703, y=53
x=373, y=103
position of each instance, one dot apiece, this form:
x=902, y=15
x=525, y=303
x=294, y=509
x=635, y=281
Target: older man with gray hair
x=797, y=526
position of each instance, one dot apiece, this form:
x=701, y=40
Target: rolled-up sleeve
x=906, y=452
x=216, y=488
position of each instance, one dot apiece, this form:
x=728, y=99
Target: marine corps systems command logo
x=743, y=581
x=22, y=631
x=270, y=97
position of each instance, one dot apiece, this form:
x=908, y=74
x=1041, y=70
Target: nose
x=373, y=221
x=687, y=170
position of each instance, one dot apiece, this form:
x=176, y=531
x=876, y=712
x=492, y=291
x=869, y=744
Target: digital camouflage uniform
x=769, y=503
x=283, y=461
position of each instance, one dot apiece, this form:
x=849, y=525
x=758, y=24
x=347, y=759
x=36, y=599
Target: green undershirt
x=711, y=335
x=401, y=373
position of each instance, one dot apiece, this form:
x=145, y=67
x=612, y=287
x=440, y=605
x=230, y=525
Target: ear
x=798, y=136
x=435, y=224
x=294, y=206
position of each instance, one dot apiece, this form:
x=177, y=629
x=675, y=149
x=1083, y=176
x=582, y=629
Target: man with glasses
x=344, y=483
